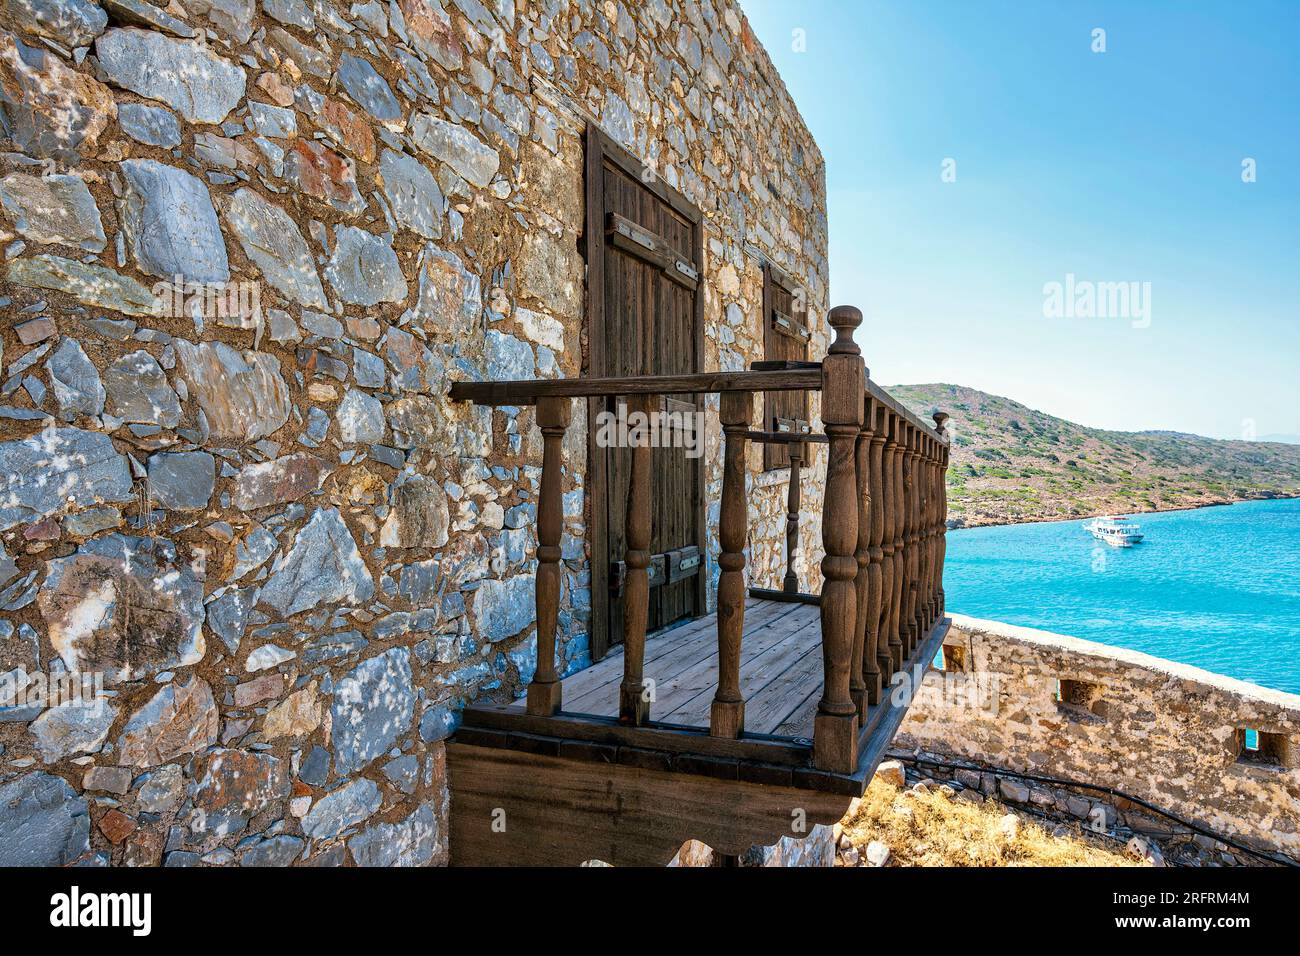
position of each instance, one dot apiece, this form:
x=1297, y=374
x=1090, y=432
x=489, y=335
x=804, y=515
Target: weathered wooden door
x=645, y=317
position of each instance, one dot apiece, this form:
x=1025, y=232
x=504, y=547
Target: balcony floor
x=780, y=672
x=781, y=680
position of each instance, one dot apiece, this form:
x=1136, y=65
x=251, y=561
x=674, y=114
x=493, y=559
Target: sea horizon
x=999, y=523
x=1211, y=586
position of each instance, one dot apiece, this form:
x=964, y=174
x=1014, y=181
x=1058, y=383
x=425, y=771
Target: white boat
x=1116, y=530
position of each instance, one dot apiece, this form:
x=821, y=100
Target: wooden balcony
x=742, y=727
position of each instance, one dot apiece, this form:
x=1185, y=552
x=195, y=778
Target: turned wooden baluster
x=835, y=728
x=552, y=419
x=727, y=716
x=927, y=533
x=791, y=583
x=862, y=467
x=633, y=705
x=940, y=422
x=935, y=479
x=876, y=653
x=904, y=544
x=885, y=495
x=894, y=449
x=936, y=490
x=914, y=538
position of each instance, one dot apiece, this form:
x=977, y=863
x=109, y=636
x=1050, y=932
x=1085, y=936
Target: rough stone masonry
x=256, y=516
x=1175, y=736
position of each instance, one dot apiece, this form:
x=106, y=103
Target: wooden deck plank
x=762, y=662
x=798, y=721
x=691, y=663
x=664, y=660
x=782, y=696
x=692, y=687
x=657, y=645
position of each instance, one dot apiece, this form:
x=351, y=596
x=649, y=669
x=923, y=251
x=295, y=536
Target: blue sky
x=1121, y=166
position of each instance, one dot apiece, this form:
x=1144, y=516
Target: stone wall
x=244, y=506
x=1167, y=733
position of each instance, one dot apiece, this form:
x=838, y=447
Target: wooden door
x=785, y=339
x=643, y=244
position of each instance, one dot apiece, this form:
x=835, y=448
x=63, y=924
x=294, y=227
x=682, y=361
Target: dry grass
x=942, y=831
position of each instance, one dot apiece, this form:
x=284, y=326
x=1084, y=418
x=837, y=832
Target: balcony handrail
x=801, y=377
x=786, y=438
x=898, y=408
x=883, y=524
x=529, y=391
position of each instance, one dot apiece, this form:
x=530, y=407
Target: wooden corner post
x=835, y=731
x=552, y=419
x=727, y=716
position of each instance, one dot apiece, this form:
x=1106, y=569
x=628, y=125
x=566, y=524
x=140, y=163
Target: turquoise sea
x=1217, y=587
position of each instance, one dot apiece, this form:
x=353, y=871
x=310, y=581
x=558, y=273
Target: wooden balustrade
x=552, y=419
x=633, y=701
x=935, y=529
x=727, y=715
x=940, y=421
x=790, y=583
x=915, y=492
x=862, y=462
x=800, y=450
x=894, y=478
x=878, y=663
x=835, y=728
x=907, y=541
x=883, y=526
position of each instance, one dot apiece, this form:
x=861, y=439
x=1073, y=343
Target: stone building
x=247, y=246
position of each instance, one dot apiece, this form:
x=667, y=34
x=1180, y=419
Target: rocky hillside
x=1011, y=463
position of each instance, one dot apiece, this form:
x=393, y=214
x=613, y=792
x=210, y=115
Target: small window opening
x=950, y=658
x=1080, y=697
x=1260, y=747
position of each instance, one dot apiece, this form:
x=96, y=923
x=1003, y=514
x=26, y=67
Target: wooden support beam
x=544, y=691
x=727, y=715
x=835, y=733
x=562, y=812
x=634, y=705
